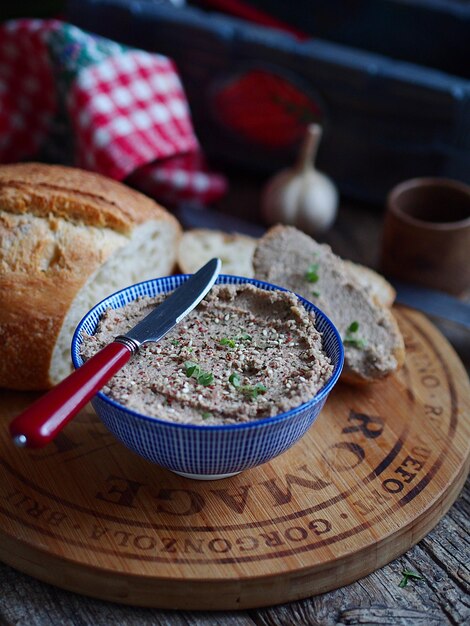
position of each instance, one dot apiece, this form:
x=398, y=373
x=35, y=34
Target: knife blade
x=156, y=324
x=432, y=302
x=46, y=417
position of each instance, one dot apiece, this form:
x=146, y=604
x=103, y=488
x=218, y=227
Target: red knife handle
x=41, y=421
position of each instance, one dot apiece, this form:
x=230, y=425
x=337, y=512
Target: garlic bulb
x=301, y=195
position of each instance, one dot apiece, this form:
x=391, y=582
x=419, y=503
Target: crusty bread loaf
x=68, y=238
x=200, y=245
x=284, y=256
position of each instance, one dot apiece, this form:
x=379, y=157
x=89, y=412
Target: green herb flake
x=316, y=294
x=253, y=391
x=225, y=341
x=312, y=273
x=194, y=370
x=353, y=327
x=244, y=337
x=234, y=379
x=351, y=339
x=355, y=343
x=205, y=415
x=407, y=574
x=175, y=342
x=205, y=378
x=191, y=368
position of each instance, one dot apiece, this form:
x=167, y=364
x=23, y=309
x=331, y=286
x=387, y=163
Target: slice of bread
x=200, y=245
x=375, y=284
x=68, y=238
x=284, y=257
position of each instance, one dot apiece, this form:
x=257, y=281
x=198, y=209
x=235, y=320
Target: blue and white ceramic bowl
x=207, y=452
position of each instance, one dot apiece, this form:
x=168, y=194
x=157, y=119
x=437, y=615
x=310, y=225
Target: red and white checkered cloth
x=27, y=93
x=125, y=110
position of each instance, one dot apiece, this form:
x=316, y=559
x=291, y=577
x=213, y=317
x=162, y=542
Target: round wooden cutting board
x=373, y=475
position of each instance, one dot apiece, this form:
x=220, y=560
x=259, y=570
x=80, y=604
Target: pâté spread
x=243, y=354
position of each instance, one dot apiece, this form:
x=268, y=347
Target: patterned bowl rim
x=253, y=424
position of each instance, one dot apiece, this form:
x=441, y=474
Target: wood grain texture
x=441, y=598
x=370, y=479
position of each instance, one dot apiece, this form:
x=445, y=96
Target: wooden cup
x=426, y=234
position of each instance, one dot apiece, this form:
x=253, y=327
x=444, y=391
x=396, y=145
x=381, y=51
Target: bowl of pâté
x=238, y=381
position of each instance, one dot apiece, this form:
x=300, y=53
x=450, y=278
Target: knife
x=432, y=302
x=43, y=420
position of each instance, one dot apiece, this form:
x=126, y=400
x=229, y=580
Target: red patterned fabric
x=126, y=109
x=27, y=93
x=180, y=178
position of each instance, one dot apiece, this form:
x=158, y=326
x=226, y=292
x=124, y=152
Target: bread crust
x=58, y=225
x=27, y=346
x=75, y=195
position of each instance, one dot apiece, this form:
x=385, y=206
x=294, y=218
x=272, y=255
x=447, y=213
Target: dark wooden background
x=442, y=558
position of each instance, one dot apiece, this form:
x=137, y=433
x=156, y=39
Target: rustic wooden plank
x=28, y=602
x=442, y=558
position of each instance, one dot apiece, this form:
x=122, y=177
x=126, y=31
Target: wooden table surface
x=442, y=558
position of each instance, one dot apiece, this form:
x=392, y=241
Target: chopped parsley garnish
x=244, y=337
x=234, y=379
x=407, y=574
x=191, y=368
x=175, y=342
x=351, y=338
x=225, y=341
x=312, y=273
x=231, y=343
x=194, y=370
x=353, y=327
x=253, y=391
x=205, y=415
x=205, y=379
x=355, y=343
